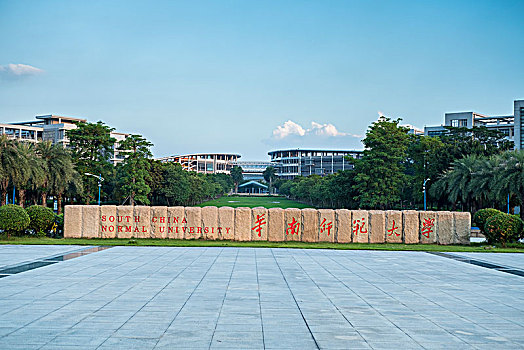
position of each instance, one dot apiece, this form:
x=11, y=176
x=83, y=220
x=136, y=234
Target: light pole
x=424, y=188
x=100, y=179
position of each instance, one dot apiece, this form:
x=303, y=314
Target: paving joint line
x=479, y=262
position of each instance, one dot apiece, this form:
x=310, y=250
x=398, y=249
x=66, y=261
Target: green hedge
x=42, y=219
x=13, y=219
x=483, y=215
x=503, y=228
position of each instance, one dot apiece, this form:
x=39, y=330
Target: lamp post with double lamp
x=100, y=179
x=424, y=188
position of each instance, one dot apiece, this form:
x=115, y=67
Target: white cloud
x=325, y=130
x=18, y=70
x=294, y=130
x=287, y=129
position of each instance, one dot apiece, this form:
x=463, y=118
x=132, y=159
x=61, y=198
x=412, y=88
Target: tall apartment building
x=204, y=163
x=510, y=125
x=291, y=163
x=52, y=128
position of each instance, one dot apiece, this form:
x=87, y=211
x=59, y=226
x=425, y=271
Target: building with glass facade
x=204, y=163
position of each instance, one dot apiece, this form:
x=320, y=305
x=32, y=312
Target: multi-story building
x=510, y=125
x=52, y=128
x=253, y=170
x=291, y=163
x=205, y=163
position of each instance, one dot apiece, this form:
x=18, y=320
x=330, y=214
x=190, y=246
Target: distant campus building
x=291, y=163
x=253, y=170
x=204, y=163
x=510, y=125
x=53, y=128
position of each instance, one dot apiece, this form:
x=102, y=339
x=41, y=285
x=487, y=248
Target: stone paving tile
x=229, y=298
x=17, y=254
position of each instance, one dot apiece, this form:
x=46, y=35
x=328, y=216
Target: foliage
x=380, y=173
x=42, y=219
x=12, y=164
x=482, y=215
x=13, y=219
x=236, y=175
x=503, y=228
x=270, y=176
x=59, y=229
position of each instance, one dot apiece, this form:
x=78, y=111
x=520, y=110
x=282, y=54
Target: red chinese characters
x=392, y=230
x=326, y=226
x=359, y=226
x=293, y=227
x=259, y=222
x=427, y=227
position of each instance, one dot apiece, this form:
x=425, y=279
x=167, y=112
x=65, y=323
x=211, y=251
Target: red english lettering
x=119, y=228
x=183, y=228
x=128, y=228
x=227, y=229
x=206, y=229
x=184, y=221
x=104, y=228
x=191, y=230
x=128, y=218
x=169, y=230
x=111, y=229
x=103, y=218
x=162, y=229
x=153, y=219
x=112, y=218
x=137, y=218
x=136, y=229
x=219, y=229
x=162, y=220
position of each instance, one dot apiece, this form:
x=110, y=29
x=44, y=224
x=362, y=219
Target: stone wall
x=260, y=224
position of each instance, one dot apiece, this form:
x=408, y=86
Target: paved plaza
x=246, y=298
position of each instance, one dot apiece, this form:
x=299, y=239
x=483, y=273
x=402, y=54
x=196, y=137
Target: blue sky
x=252, y=76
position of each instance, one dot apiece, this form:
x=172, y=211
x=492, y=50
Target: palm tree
x=31, y=175
x=270, y=175
x=509, y=178
x=12, y=165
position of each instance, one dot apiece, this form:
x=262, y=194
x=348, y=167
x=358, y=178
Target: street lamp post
x=424, y=188
x=100, y=179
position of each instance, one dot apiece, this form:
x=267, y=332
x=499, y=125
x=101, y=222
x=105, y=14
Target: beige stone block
x=193, y=227
x=125, y=219
x=73, y=221
x=159, y=221
x=343, y=225
x=309, y=225
x=360, y=226
x=293, y=228
x=242, y=224
x=108, y=221
x=259, y=222
x=210, y=223
x=462, y=227
x=176, y=220
x=446, y=227
x=410, y=226
x=428, y=227
x=142, y=222
x=276, y=225
x=394, y=227
x=90, y=221
x=377, y=226
x=226, y=223
x=326, y=226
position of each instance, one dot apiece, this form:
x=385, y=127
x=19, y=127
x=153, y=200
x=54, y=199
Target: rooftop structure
x=205, y=163
x=304, y=162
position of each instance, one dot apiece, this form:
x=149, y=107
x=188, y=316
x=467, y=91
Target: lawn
x=254, y=201
x=475, y=247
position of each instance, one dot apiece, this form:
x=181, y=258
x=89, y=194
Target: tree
x=32, y=174
x=237, y=176
x=380, y=173
x=176, y=187
x=510, y=177
x=270, y=176
x=12, y=164
x=134, y=172
x=92, y=147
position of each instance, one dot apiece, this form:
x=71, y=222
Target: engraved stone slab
x=125, y=220
x=259, y=222
x=462, y=227
x=343, y=224
x=176, y=220
x=327, y=225
x=428, y=227
x=90, y=221
x=293, y=228
x=159, y=220
x=108, y=221
x=360, y=226
x=242, y=224
x=310, y=225
x=276, y=229
x=193, y=226
x=377, y=226
x=73, y=221
x=210, y=223
x=410, y=223
x=226, y=223
x=142, y=222
x=446, y=227
x=394, y=227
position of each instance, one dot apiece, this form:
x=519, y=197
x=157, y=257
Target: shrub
x=13, y=219
x=503, y=228
x=59, y=228
x=483, y=215
x=42, y=219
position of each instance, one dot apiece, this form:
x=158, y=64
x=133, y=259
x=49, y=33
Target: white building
x=204, y=163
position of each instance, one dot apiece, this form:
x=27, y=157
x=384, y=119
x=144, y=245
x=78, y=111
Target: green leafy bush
x=13, y=219
x=59, y=228
x=483, y=215
x=503, y=228
x=42, y=219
